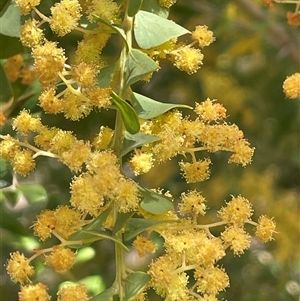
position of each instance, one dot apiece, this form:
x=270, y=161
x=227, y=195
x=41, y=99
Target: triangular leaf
x=122, y=218
x=129, y=115
x=105, y=75
x=135, y=226
x=137, y=66
x=10, y=21
x=155, y=203
x=151, y=30
x=148, y=108
x=130, y=142
x=135, y=282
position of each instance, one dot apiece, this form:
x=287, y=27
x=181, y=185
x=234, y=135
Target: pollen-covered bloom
x=45, y=224
x=49, y=60
x=293, y=18
x=23, y=162
x=237, y=211
x=61, y=259
x=265, y=228
x=8, y=147
x=141, y=162
x=187, y=59
x=107, y=10
x=67, y=221
x=85, y=74
x=192, y=202
x=27, y=5
x=210, y=110
x=237, y=239
x=32, y=292
x=13, y=67
x=103, y=138
x=65, y=16
x=203, y=36
x=291, y=86
x=73, y=293
x=143, y=245
x=31, y=35
x=196, y=171
x=166, y=3
x=211, y=279
x=49, y=102
x=24, y=123
x=19, y=268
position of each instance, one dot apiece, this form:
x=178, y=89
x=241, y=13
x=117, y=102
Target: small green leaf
x=148, y=108
x=133, y=7
x=130, y=142
x=85, y=254
x=137, y=66
x=11, y=21
x=12, y=46
x=34, y=193
x=155, y=203
x=94, y=283
x=105, y=75
x=135, y=226
x=129, y=115
x=107, y=295
x=151, y=30
x=135, y=282
x=122, y=218
x=6, y=176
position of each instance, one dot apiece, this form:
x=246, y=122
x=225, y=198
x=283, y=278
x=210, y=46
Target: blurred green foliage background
x=255, y=50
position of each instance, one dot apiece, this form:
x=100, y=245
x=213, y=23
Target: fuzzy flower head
x=45, y=224
x=265, y=228
x=243, y=153
x=143, y=245
x=237, y=238
x=196, y=171
x=31, y=35
x=192, y=202
x=13, y=67
x=141, y=162
x=209, y=110
x=73, y=293
x=203, y=36
x=85, y=74
x=293, y=18
x=166, y=3
x=211, y=280
x=49, y=60
x=8, y=147
x=103, y=138
x=291, y=86
x=107, y=10
x=237, y=211
x=64, y=16
x=61, y=259
x=19, y=268
x=36, y=292
x=84, y=196
x=23, y=162
x=49, y=102
x=99, y=97
x=25, y=123
x=187, y=59
x=27, y=5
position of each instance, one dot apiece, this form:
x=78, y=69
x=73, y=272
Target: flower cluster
x=104, y=202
